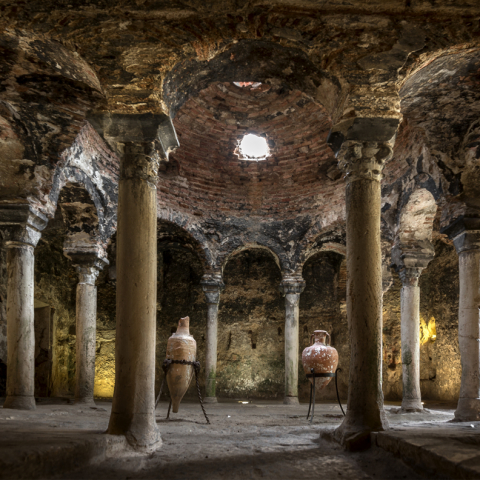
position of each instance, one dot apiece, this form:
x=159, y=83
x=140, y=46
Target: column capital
x=410, y=259
x=363, y=145
x=292, y=284
x=364, y=160
x=23, y=224
x=87, y=263
x=465, y=233
x=140, y=160
x=141, y=140
x=212, y=286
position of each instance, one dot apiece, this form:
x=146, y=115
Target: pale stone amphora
x=320, y=356
x=180, y=346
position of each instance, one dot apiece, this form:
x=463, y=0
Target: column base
x=140, y=430
x=468, y=410
x=210, y=400
x=411, y=406
x=291, y=401
x=85, y=402
x=354, y=434
x=20, y=403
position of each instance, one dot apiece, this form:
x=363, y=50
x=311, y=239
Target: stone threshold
x=448, y=451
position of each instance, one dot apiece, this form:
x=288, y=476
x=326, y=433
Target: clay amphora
x=180, y=346
x=321, y=357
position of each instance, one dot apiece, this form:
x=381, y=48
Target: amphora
x=180, y=346
x=320, y=356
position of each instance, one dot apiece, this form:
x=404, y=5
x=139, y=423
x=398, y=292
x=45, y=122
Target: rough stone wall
x=440, y=368
x=55, y=285
x=252, y=313
x=251, y=328
x=106, y=325
x=323, y=307
x=179, y=295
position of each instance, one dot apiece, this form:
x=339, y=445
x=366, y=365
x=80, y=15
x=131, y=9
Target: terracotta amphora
x=180, y=346
x=320, y=356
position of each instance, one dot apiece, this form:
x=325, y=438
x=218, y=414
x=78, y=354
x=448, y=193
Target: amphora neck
x=183, y=326
x=320, y=337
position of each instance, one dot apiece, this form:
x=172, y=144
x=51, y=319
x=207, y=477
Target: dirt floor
x=253, y=440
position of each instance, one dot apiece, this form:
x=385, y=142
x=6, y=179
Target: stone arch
x=333, y=240
x=252, y=60
x=248, y=246
x=174, y=236
x=64, y=87
x=74, y=176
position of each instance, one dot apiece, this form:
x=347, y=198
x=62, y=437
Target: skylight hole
x=252, y=147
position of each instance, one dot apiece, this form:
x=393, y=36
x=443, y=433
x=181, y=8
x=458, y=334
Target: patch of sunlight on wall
x=428, y=331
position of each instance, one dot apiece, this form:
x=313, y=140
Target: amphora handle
x=312, y=337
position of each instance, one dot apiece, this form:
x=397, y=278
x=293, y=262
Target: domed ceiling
x=205, y=175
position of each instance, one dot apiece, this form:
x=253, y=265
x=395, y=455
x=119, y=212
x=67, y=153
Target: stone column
x=410, y=260
x=88, y=266
x=291, y=287
x=466, y=238
x=363, y=162
x=133, y=407
x=23, y=233
x=141, y=141
x=410, y=336
x=212, y=288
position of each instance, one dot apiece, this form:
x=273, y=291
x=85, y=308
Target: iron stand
x=314, y=375
x=196, y=366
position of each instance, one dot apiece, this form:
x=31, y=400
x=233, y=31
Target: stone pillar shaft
x=468, y=408
x=20, y=327
x=88, y=263
x=291, y=288
x=363, y=163
x=410, y=333
x=411, y=256
x=133, y=408
x=23, y=232
x=465, y=232
x=212, y=289
x=364, y=304
x=86, y=342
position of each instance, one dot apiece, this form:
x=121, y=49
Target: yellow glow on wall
x=104, y=387
x=428, y=331
x=105, y=364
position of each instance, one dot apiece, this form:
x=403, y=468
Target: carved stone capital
x=23, y=225
x=140, y=161
x=465, y=233
x=410, y=259
x=292, y=285
x=118, y=129
x=212, y=286
x=364, y=160
x=87, y=264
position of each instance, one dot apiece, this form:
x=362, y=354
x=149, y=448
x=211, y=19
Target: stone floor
x=254, y=440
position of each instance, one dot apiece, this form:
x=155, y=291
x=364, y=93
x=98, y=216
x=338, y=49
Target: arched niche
x=251, y=325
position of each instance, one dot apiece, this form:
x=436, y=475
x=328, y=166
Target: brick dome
x=206, y=175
